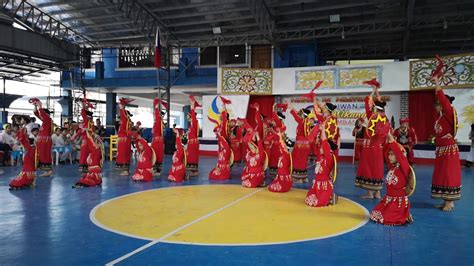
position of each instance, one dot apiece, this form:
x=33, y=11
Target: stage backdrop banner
x=212, y=107
x=349, y=108
x=458, y=72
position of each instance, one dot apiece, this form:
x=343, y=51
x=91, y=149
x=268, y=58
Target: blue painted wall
x=114, y=77
x=296, y=55
x=292, y=55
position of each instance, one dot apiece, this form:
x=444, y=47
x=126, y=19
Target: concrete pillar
x=186, y=110
x=111, y=112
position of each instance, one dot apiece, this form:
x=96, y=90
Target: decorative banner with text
x=246, y=81
x=459, y=72
x=349, y=108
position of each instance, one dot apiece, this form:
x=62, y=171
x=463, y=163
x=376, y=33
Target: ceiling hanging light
x=216, y=30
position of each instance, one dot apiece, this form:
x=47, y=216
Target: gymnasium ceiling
x=361, y=29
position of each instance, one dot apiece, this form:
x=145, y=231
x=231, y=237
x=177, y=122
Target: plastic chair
x=113, y=146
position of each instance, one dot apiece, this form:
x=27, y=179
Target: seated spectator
x=7, y=141
x=34, y=134
x=99, y=128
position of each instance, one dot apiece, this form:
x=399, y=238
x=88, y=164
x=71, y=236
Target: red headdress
x=372, y=82
x=282, y=106
x=255, y=106
x=311, y=95
x=404, y=120
x=225, y=100
x=125, y=101
x=34, y=100
x=87, y=103
x=438, y=72
x=194, y=101
x=162, y=102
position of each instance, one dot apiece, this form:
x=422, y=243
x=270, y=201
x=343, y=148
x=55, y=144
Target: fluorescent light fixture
x=236, y=55
x=216, y=30
x=334, y=18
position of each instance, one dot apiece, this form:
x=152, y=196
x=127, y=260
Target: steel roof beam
x=263, y=17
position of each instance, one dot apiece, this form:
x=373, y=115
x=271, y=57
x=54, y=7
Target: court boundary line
x=156, y=241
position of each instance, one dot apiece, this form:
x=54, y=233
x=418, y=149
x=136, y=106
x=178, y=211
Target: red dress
x=193, y=145
x=370, y=172
x=93, y=177
x=44, y=143
x=446, y=179
x=271, y=145
x=157, y=141
x=124, y=144
x=359, y=142
x=332, y=131
x=283, y=181
x=253, y=175
x=178, y=166
x=320, y=194
x=84, y=152
x=301, y=150
x=394, y=208
x=27, y=175
x=407, y=138
x=222, y=169
x=236, y=144
x=146, y=161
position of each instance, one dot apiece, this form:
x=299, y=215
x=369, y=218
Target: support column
x=186, y=110
x=111, y=112
x=66, y=105
x=4, y=113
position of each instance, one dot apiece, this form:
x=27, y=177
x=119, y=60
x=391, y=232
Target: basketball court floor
x=221, y=223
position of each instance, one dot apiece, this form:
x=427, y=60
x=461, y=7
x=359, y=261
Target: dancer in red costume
x=394, y=208
x=302, y=148
x=95, y=160
x=177, y=172
x=124, y=145
x=358, y=133
x=446, y=179
x=157, y=130
x=236, y=139
x=224, y=123
x=88, y=123
x=222, y=169
x=370, y=172
x=146, y=161
x=253, y=174
x=44, y=142
x=27, y=176
x=332, y=127
x=268, y=145
x=406, y=136
x=322, y=190
x=193, y=141
x=283, y=181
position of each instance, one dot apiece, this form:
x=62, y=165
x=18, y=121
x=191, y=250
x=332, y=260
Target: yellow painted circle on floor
x=225, y=215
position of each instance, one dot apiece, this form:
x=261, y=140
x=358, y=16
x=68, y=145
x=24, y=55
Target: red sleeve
x=157, y=129
x=413, y=136
x=85, y=119
x=297, y=118
x=276, y=120
x=41, y=114
x=194, y=122
x=401, y=159
x=368, y=109
x=37, y=114
x=179, y=145
x=446, y=105
x=326, y=150
x=261, y=150
x=314, y=133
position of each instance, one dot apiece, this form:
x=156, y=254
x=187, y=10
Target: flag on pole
x=157, y=49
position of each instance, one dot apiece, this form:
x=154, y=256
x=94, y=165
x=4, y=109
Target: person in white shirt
x=7, y=141
x=32, y=124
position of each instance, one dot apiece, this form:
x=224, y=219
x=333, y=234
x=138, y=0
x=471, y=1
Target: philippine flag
x=157, y=49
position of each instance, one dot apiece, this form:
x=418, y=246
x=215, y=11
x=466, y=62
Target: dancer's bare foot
x=377, y=195
x=124, y=173
x=47, y=174
x=439, y=206
x=448, y=206
x=369, y=195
